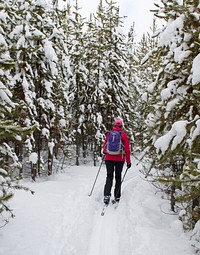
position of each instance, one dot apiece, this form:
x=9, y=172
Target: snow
x=61, y=219
x=171, y=88
x=5, y=95
x=197, y=130
x=170, y=34
x=45, y=132
x=33, y=157
x=151, y=87
x=180, y=54
x=195, y=70
x=51, y=145
x=2, y=40
x=49, y=51
x=195, y=236
x=170, y=105
x=176, y=135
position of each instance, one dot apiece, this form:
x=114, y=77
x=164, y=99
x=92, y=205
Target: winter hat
x=118, y=123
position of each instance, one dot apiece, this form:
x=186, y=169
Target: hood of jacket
x=116, y=128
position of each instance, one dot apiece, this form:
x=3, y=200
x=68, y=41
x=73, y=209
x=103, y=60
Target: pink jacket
x=119, y=157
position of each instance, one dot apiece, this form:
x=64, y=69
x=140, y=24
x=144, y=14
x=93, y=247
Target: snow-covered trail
x=61, y=219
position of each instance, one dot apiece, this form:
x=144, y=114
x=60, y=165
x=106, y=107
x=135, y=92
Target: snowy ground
x=61, y=219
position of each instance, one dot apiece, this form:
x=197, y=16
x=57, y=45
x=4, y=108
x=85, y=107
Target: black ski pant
x=113, y=167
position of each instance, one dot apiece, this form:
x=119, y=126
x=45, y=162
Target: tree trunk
x=77, y=149
x=173, y=197
x=50, y=163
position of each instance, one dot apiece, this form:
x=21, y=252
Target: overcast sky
x=137, y=11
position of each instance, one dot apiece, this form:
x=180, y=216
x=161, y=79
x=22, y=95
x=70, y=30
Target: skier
x=115, y=162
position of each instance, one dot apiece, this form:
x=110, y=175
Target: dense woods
x=64, y=79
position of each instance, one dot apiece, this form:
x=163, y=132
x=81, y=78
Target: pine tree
x=108, y=72
x=78, y=83
x=40, y=77
x=116, y=89
x=146, y=53
x=10, y=129
x=175, y=112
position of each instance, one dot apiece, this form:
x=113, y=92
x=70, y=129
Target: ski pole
x=96, y=176
x=122, y=181
x=124, y=175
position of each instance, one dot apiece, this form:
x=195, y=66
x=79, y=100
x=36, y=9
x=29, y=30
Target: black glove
x=129, y=165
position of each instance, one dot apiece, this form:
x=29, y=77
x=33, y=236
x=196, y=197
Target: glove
x=129, y=165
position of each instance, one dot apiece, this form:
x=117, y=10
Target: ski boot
x=106, y=200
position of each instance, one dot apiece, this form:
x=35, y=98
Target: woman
x=115, y=162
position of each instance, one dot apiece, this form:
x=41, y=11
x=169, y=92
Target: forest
x=64, y=79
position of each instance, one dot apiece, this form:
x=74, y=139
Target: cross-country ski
x=104, y=209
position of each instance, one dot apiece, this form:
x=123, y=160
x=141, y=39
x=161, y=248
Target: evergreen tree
x=146, y=53
x=116, y=92
x=175, y=112
x=78, y=84
x=135, y=84
x=108, y=72
x=10, y=130
x=40, y=77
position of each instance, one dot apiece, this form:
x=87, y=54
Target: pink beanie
x=118, y=123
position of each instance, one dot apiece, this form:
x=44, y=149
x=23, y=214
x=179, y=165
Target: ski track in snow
x=60, y=219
